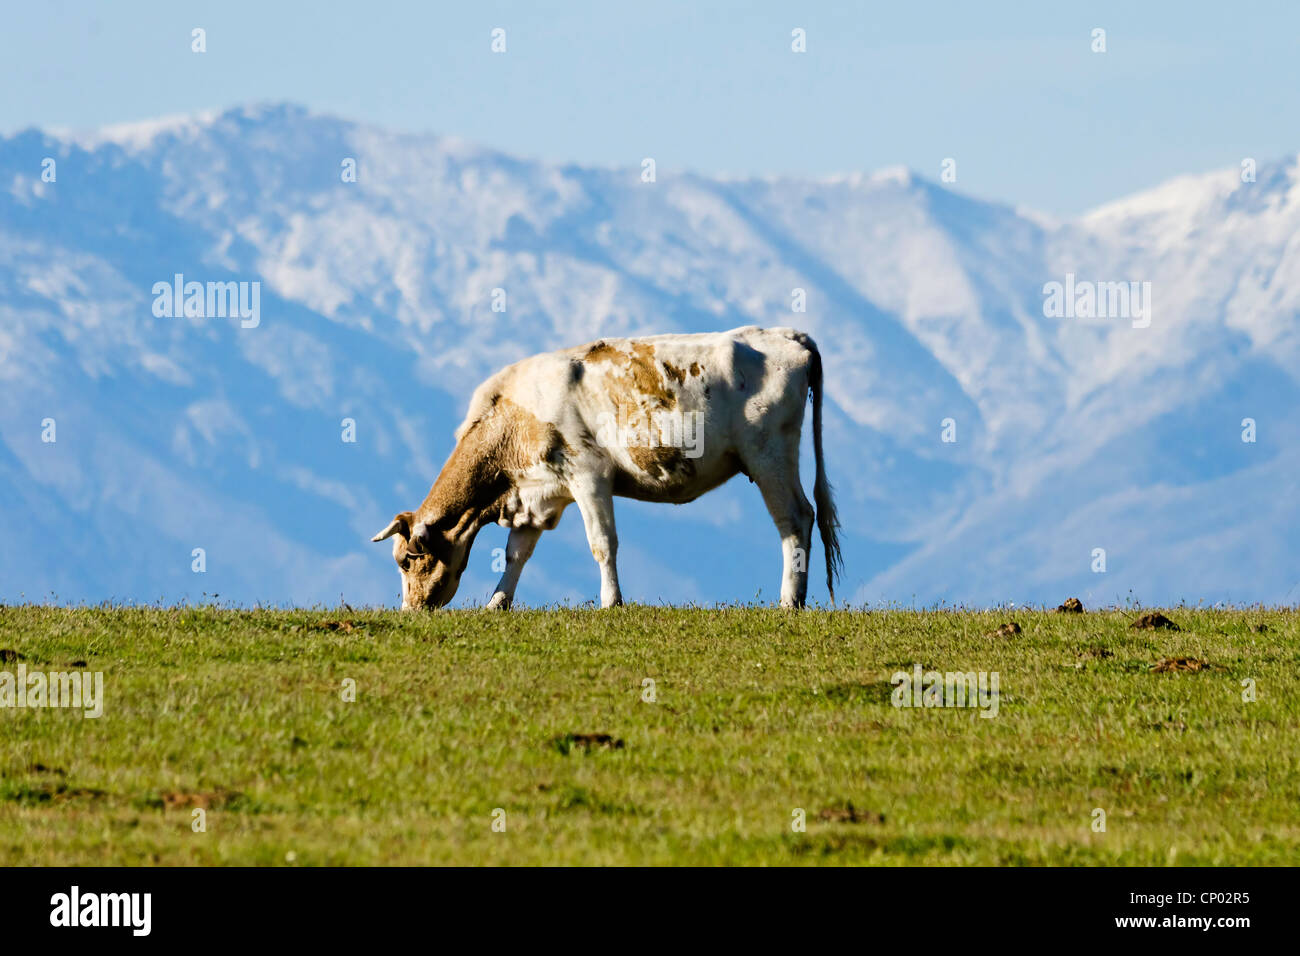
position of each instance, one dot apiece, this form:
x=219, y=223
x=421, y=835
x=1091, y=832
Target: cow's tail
x=828, y=521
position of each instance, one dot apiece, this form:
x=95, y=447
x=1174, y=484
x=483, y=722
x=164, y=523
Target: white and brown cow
x=661, y=418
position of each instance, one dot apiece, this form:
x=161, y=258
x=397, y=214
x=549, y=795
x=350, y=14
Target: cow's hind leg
x=519, y=548
x=596, y=502
x=793, y=515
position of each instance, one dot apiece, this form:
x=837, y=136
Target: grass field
x=758, y=713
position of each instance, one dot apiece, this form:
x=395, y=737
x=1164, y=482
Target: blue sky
x=1010, y=90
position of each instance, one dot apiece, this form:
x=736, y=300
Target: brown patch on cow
x=646, y=377
x=603, y=352
x=849, y=814
x=586, y=742
x=695, y=368
x=665, y=465
x=678, y=375
x=1172, y=664
x=1009, y=629
x=8, y=655
x=1153, y=621
x=179, y=799
x=528, y=440
x=638, y=378
x=1071, y=606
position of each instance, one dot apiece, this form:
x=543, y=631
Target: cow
x=661, y=418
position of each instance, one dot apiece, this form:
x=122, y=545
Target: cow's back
x=673, y=413
x=752, y=365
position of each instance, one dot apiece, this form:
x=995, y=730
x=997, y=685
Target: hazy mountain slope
x=376, y=306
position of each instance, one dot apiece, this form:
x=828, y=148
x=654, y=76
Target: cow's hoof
x=499, y=602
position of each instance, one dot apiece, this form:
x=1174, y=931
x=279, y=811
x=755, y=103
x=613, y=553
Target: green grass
x=758, y=712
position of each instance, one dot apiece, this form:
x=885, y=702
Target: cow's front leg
x=519, y=548
x=597, y=507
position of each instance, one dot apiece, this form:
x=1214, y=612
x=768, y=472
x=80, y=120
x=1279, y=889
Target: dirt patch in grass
x=180, y=799
x=1170, y=665
x=848, y=813
x=1094, y=653
x=1154, y=620
x=567, y=743
x=1009, y=629
x=54, y=793
x=1071, y=606
x=8, y=655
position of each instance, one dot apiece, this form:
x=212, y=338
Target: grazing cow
x=661, y=418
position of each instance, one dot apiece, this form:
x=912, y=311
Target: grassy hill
x=462, y=719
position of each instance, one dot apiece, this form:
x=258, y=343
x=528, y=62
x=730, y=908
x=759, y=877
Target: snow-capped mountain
x=986, y=437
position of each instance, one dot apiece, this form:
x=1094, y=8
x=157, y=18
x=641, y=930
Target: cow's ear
x=421, y=538
x=400, y=525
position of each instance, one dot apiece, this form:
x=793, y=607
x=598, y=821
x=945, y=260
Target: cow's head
x=430, y=563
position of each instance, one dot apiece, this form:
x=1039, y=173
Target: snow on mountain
x=376, y=305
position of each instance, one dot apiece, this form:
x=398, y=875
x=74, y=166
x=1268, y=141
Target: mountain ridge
x=376, y=306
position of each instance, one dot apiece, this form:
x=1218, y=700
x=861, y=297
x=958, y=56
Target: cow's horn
x=397, y=526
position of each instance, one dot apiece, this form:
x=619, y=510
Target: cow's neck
x=470, y=488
